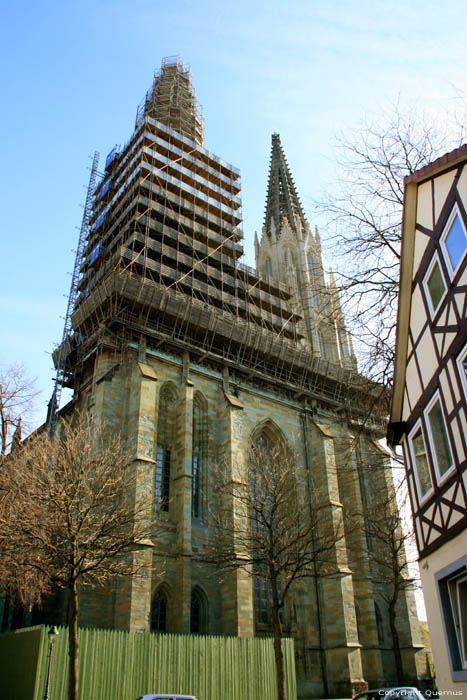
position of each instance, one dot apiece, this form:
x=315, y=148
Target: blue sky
x=74, y=73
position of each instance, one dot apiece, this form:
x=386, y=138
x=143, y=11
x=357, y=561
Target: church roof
x=282, y=199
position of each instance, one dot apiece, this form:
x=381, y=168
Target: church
x=191, y=355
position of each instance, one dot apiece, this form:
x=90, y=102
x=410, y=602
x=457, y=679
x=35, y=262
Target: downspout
x=315, y=577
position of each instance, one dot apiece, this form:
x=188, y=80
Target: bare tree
x=17, y=393
x=391, y=550
x=265, y=525
x=74, y=516
x=365, y=209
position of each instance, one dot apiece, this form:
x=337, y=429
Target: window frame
x=434, y=261
x=440, y=478
x=460, y=368
x=455, y=213
x=421, y=498
x=446, y=577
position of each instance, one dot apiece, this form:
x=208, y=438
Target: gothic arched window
x=198, y=612
x=268, y=267
x=164, y=448
x=199, y=457
x=159, y=607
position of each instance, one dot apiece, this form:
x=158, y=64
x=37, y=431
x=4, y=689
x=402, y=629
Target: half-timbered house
x=429, y=409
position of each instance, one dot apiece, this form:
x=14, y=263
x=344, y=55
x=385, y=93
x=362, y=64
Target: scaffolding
x=163, y=259
x=67, y=337
x=171, y=100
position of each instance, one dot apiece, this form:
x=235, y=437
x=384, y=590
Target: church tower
x=290, y=252
x=191, y=355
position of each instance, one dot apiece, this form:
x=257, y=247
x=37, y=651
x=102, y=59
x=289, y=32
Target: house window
x=435, y=286
x=462, y=367
x=442, y=455
x=420, y=461
x=454, y=240
x=457, y=587
x=452, y=590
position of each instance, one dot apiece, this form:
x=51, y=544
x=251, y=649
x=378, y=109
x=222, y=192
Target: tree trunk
x=73, y=641
x=395, y=641
x=277, y=632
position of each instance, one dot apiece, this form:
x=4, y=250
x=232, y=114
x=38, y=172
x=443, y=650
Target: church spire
x=282, y=199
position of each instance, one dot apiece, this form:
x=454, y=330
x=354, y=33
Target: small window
x=454, y=240
x=268, y=267
x=435, y=286
x=442, y=455
x=420, y=461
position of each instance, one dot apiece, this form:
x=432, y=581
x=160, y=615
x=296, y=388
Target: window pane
x=195, y=488
x=462, y=597
x=436, y=286
x=162, y=479
x=456, y=242
x=440, y=439
x=421, y=462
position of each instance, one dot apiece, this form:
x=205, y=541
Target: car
x=166, y=696
x=399, y=693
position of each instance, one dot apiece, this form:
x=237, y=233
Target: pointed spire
x=282, y=202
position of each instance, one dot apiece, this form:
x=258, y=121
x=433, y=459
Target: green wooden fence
x=123, y=665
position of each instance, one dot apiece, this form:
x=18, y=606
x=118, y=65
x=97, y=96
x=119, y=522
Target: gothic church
x=190, y=354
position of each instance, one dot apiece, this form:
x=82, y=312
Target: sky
x=74, y=73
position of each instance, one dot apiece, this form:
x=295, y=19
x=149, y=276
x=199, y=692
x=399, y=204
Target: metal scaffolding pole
x=63, y=351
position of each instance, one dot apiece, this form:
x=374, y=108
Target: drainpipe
x=315, y=577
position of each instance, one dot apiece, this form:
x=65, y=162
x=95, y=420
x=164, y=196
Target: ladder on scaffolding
x=63, y=350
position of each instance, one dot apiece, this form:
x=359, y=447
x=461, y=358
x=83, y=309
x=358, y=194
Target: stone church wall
x=333, y=620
